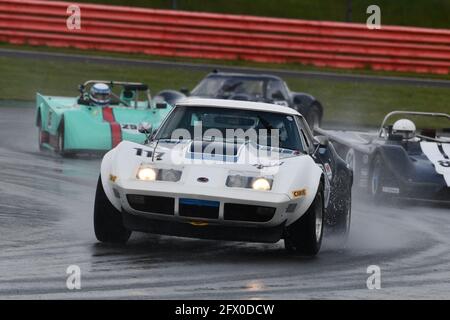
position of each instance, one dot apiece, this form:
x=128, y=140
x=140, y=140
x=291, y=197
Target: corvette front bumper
x=206, y=208
x=211, y=232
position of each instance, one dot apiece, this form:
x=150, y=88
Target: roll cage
x=128, y=96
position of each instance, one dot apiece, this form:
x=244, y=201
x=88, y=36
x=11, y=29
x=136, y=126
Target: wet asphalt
x=46, y=205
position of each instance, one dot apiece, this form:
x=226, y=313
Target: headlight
x=261, y=184
x=256, y=183
x=237, y=181
x=170, y=175
x=147, y=174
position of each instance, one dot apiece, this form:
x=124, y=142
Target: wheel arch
x=106, y=177
x=313, y=179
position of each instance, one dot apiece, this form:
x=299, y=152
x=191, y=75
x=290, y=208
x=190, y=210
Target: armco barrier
x=230, y=37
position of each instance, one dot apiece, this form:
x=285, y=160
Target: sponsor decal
x=390, y=190
x=439, y=155
x=129, y=127
x=148, y=153
x=299, y=193
x=262, y=166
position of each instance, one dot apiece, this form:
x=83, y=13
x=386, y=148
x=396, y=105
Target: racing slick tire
x=341, y=230
x=313, y=116
x=304, y=236
x=378, y=178
x=40, y=135
x=60, y=144
x=350, y=159
x=60, y=141
x=108, y=225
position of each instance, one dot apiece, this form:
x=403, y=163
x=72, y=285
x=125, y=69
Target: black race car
x=400, y=161
x=251, y=87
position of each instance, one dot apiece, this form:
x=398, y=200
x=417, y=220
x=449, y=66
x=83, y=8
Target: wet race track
x=46, y=205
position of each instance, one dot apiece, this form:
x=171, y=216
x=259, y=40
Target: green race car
x=70, y=125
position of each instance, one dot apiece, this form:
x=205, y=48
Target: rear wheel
x=108, y=225
x=305, y=235
x=341, y=229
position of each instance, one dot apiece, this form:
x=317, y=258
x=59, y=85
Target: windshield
x=209, y=123
x=226, y=87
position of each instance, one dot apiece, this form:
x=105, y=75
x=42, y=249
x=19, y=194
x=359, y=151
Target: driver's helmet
x=405, y=128
x=100, y=94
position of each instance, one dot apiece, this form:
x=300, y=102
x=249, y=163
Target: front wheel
x=60, y=144
x=60, y=141
x=41, y=137
x=305, y=235
x=377, y=179
x=108, y=225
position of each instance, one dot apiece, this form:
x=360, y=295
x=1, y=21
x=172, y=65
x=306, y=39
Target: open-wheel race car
x=251, y=87
x=400, y=160
x=226, y=170
x=98, y=119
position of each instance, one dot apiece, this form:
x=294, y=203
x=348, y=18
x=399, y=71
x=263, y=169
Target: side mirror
x=185, y=91
x=323, y=141
x=145, y=127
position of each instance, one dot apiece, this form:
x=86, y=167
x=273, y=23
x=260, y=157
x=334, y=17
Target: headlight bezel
x=161, y=174
x=247, y=181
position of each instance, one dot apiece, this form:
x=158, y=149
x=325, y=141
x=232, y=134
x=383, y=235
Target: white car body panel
x=290, y=171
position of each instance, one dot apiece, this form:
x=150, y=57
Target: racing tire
x=377, y=179
x=313, y=116
x=108, y=225
x=60, y=141
x=304, y=236
x=341, y=230
x=40, y=135
x=60, y=144
x=350, y=159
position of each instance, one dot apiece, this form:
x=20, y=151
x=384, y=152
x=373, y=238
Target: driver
x=100, y=94
x=405, y=128
x=282, y=132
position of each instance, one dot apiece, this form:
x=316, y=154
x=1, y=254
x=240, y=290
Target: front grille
x=199, y=208
x=245, y=212
x=152, y=204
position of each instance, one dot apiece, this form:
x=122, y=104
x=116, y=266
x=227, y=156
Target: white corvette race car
x=229, y=170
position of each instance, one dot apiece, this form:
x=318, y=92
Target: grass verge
x=355, y=103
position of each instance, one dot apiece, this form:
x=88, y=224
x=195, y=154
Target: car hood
x=181, y=152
